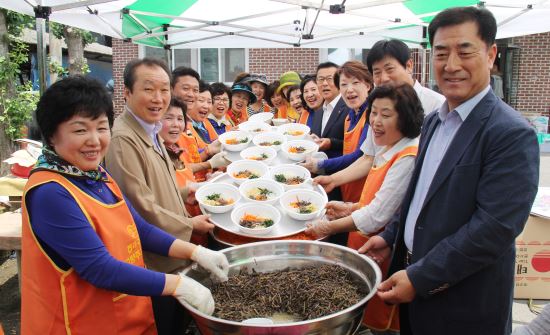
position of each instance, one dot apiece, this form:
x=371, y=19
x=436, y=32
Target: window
x=234, y=63
x=182, y=57
x=155, y=53
x=209, y=65
x=212, y=64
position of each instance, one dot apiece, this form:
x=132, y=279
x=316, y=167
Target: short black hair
x=327, y=65
x=204, y=86
x=483, y=18
x=220, y=89
x=75, y=95
x=130, y=69
x=407, y=105
x=393, y=48
x=182, y=71
x=307, y=79
x=176, y=102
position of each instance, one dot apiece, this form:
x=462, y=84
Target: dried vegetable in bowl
x=297, y=150
x=294, y=180
x=259, y=194
x=246, y=174
x=304, y=294
x=216, y=199
x=255, y=222
x=235, y=141
x=303, y=206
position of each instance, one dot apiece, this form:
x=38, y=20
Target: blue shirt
x=218, y=127
x=201, y=130
x=68, y=238
x=309, y=121
x=445, y=131
x=336, y=164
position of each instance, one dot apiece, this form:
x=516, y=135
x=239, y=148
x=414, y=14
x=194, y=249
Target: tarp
x=275, y=23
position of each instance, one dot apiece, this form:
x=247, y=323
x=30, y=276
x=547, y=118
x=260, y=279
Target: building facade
x=524, y=66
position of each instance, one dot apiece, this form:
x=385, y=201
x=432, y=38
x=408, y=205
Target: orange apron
x=351, y=192
x=191, y=142
x=282, y=111
x=378, y=315
x=237, y=119
x=56, y=301
x=183, y=176
x=304, y=116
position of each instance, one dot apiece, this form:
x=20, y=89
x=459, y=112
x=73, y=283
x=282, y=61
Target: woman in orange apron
x=83, y=270
x=241, y=96
x=258, y=83
x=173, y=123
x=355, y=83
x=395, y=117
x=221, y=97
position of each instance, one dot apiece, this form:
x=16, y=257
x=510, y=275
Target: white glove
x=195, y=294
x=312, y=164
x=214, y=262
x=219, y=160
x=214, y=147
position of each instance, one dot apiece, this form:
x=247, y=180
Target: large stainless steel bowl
x=277, y=255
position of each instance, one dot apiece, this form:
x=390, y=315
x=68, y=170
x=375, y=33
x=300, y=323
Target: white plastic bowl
x=248, y=153
x=261, y=117
x=291, y=170
x=310, y=147
x=279, y=121
x=271, y=185
x=258, y=168
x=238, y=134
x=289, y=129
x=315, y=198
x=254, y=128
x=262, y=210
x=225, y=190
x=269, y=137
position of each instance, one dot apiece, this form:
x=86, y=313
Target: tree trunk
x=6, y=145
x=56, y=54
x=76, y=51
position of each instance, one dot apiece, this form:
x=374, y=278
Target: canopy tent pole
x=41, y=15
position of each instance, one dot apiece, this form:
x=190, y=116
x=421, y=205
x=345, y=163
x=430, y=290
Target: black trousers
x=171, y=317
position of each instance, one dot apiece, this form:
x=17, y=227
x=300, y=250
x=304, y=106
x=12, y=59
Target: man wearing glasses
x=328, y=122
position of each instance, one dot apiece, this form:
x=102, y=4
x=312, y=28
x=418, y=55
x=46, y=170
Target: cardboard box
x=533, y=260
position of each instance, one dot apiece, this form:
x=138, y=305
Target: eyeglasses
x=218, y=99
x=320, y=80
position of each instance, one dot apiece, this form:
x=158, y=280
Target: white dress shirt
x=327, y=111
x=375, y=216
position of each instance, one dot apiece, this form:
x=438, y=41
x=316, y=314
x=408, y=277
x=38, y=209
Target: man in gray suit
x=471, y=192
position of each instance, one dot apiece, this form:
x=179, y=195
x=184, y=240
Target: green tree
x=16, y=100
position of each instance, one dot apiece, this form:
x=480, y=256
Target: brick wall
x=274, y=62
x=123, y=52
x=533, y=74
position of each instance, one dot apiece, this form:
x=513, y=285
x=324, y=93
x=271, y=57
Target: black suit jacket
x=334, y=128
x=477, y=203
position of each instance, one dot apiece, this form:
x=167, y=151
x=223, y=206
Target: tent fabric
x=275, y=23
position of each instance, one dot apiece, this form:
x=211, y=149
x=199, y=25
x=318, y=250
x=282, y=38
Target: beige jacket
x=147, y=177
